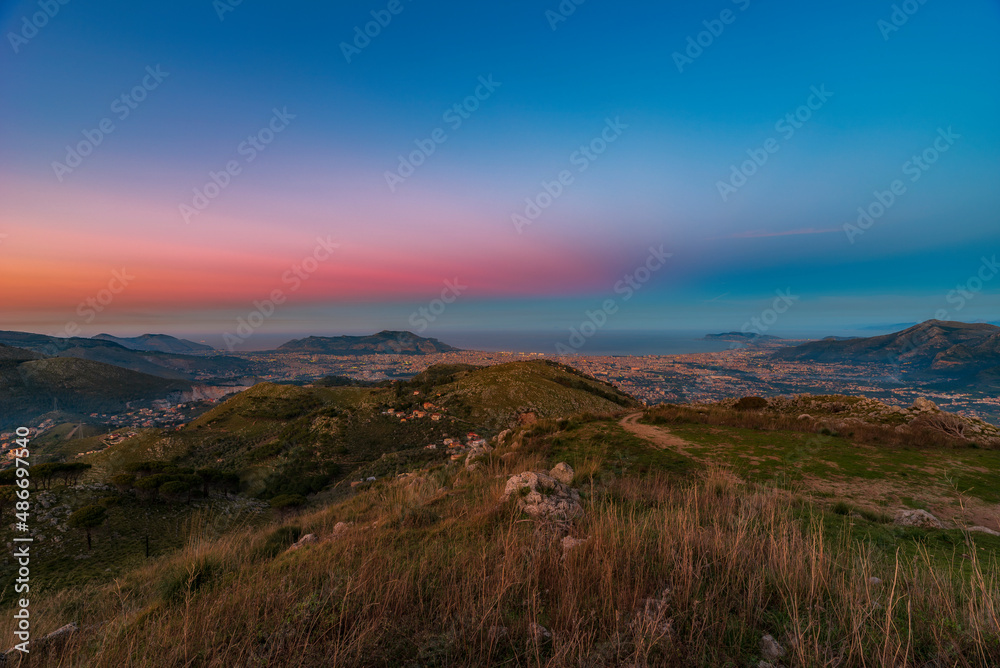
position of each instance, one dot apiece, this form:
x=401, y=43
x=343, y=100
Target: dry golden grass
x=435, y=572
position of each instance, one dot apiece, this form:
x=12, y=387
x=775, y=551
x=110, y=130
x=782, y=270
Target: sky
x=456, y=167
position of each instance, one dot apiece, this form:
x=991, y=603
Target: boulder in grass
x=917, y=518
x=563, y=472
x=771, y=649
x=543, y=497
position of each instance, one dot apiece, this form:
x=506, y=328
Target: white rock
x=978, y=529
x=917, y=518
x=308, y=539
x=563, y=472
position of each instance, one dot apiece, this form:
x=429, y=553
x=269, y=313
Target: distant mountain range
x=162, y=364
x=32, y=384
x=160, y=343
x=741, y=337
x=385, y=342
x=956, y=353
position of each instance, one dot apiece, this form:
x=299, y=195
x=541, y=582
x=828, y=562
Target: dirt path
x=658, y=436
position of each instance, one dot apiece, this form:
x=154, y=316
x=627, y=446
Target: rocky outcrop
x=543, y=497
x=917, y=518
x=308, y=539
x=476, y=450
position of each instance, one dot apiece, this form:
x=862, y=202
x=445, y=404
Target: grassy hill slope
x=29, y=387
x=708, y=535
x=681, y=562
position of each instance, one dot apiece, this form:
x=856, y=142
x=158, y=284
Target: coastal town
x=654, y=379
x=686, y=378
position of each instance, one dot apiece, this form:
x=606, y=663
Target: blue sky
x=890, y=94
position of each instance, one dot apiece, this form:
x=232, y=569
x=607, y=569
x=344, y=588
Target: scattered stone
x=543, y=497
x=923, y=405
x=917, y=518
x=569, y=544
x=60, y=634
x=308, y=539
x=978, y=529
x=805, y=416
x=770, y=649
x=502, y=436
x=874, y=581
x=653, y=615
x=539, y=633
x=340, y=528
x=477, y=450
x=562, y=472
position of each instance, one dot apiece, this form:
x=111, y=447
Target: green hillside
x=30, y=387
x=795, y=531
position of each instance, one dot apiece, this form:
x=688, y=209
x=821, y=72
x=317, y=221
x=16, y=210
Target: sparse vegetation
x=465, y=589
x=688, y=551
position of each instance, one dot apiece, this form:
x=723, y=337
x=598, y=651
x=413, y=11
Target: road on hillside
x=658, y=436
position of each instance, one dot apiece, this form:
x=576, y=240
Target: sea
x=600, y=343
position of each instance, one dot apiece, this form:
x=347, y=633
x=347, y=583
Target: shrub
x=418, y=517
x=181, y=581
x=88, y=518
x=123, y=482
x=174, y=490
x=279, y=540
x=751, y=404
x=285, y=503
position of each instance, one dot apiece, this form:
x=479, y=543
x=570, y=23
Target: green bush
x=751, y=404
x=183, y=580
x=279, y=540
x=285, y=502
